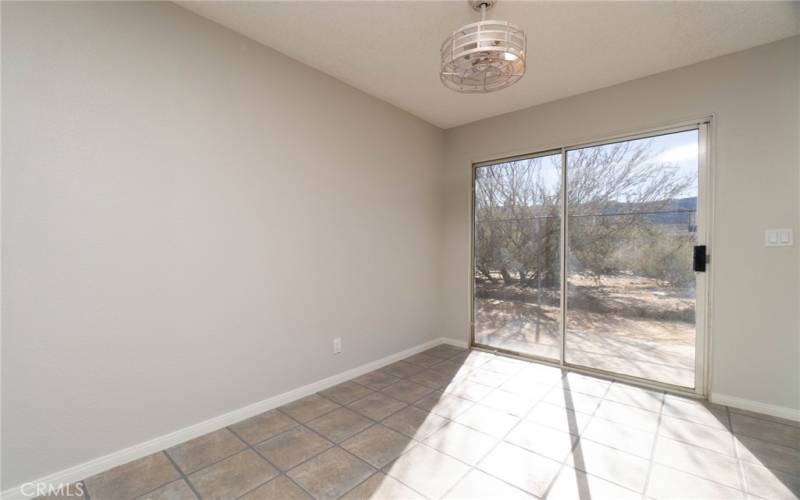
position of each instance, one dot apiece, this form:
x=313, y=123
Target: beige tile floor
x=450, y=423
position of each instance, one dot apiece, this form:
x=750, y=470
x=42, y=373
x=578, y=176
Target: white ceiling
x=391, y=49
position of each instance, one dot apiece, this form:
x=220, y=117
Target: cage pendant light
x=484, y=56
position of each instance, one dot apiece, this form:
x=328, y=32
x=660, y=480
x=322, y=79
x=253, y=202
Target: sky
x=678, y=149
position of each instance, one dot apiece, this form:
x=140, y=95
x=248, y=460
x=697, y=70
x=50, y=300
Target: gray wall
x=189, y=219
x=754, y=96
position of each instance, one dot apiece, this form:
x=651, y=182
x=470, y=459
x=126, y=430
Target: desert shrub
x=661, y=253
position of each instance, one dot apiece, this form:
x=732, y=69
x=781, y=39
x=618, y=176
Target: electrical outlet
x=337, y=345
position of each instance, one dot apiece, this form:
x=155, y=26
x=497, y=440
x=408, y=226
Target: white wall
x=189, y=219
x=754, y=97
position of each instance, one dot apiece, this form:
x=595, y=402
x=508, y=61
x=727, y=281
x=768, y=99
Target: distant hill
x=674, y=212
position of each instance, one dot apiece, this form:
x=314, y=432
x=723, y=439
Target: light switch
x=778, y=238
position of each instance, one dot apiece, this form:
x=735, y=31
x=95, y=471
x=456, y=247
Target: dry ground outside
x=625, y=324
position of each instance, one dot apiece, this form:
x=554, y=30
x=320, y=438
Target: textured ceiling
x=391, y=49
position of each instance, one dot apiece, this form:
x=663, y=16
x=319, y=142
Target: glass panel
x=516, y=256
x=631, y=227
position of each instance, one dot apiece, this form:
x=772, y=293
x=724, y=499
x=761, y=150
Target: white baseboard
x=758, y=407
x=458, y=343
x=97, y=465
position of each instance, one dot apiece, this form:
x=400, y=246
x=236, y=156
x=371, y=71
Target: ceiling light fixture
x=485, y=56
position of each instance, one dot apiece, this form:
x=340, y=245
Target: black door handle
x=700, y=259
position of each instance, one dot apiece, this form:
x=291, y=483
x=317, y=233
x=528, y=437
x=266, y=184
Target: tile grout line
x=612, y=447
x=416, y=441
x=449, y=421
x=651, y=461
x=86, y=495
x=563, y=465
x=520, y=419
x=412, y=439
x=338, y=445
x=555, y=386
x=741, y=487
x=376, y=470
x=374, y=423
x=739, y=464
x=183, y=477
x=306, y=427
x=763, y=417
x=252, y=447
x=666, y=466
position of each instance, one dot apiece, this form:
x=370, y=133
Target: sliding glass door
x=632, y=227
x=516, y=250
x=631, y=214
